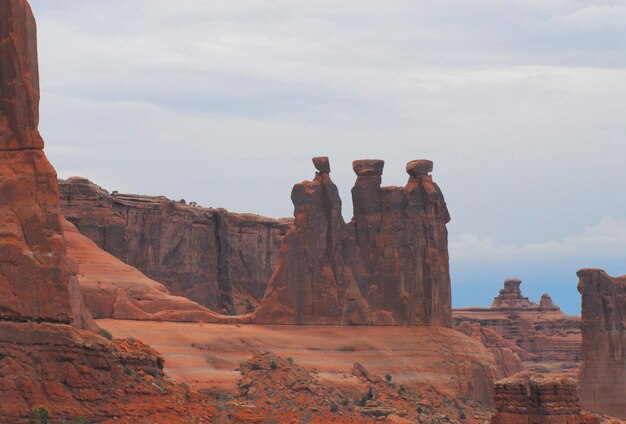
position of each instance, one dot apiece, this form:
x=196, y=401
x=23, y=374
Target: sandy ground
x=206, y=356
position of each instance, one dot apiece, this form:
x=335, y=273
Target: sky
x=520, y=104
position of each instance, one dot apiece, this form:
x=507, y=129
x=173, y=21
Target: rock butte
x=216, y=258
x=388, y=266
x=544, y=338
x=602, y=375
x=530, y=398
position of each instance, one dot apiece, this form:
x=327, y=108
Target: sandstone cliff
x=49, y=370
x=388, y=266
x=529, y=398
x=545, y=339
x=218, y=259
x=602, y=375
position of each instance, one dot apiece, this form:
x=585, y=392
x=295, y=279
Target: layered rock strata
x=544, y=338
x=602, y=375
x=216, y=258
x=388, y=266
x=530, y=398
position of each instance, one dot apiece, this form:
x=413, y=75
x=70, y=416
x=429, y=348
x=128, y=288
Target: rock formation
x=218, y=259
x=602, y=375
x=49, y=369
x=530, y=398
x=508, y=362
x=546, y=339
x=113, y=289
x=389, y=266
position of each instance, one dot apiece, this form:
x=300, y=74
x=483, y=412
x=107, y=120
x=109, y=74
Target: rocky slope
x=602, y=375
x=113, y=289
x=216, y=258
x=545, y=339
x=530, y=398
x=388, y=266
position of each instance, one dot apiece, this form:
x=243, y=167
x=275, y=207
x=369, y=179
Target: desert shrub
x=388, y=377
x=273, y=364
x=401, y=390
x=105, y=333
x=40, y=415
x=334, y=408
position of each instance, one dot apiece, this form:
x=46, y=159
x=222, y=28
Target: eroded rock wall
x=388, y=266
x=602, y=375
x=218, y=259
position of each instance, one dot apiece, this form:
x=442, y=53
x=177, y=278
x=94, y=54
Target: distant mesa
x=510, y=298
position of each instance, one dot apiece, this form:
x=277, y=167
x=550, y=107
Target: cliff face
x=545, y=339
x=34, y=276
x=602, y=375
x=534, y=399
x=389, y=266
x=218, y=259
x=49, y=369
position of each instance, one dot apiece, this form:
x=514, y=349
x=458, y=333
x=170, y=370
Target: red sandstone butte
x=602, y=375
x=530, y=398
x=219, y=259
x=546, y=340
x=389, y=266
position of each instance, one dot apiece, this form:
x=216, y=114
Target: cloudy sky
x=521, y=104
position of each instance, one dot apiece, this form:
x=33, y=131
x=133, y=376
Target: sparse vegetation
x=248, y=305
x=273, y=364
x=40, y=415
x=334, y=408
x=388, y=377
x=105, y=333
x=401, y=390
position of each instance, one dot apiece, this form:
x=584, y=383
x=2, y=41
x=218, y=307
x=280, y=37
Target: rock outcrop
x=546, y=340
x=508, y=362
x=530, y=398
x=602, y=375
x=113, y=289
x=49, y=370
x=216, y=258
x=388, y=266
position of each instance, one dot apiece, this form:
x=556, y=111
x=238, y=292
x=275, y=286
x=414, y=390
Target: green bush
x=40, y=415
x=273, y=364
x=388, y=377
x=334, y=408
x=104, y=333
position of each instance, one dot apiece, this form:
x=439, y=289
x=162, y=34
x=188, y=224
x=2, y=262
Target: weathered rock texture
x=46, y=365
x=546, y=339
x=602, y=375
x=218, y=259
x=113, y=289
x=389, y=266
x=34, y=278
x=530, y=398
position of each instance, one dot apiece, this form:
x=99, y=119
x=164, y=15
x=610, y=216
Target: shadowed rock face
x=532, y=398
x=602, y=375
x=216, y=258
x=35, y=277
x=389, y=266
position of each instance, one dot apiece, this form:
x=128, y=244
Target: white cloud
x=606, y=241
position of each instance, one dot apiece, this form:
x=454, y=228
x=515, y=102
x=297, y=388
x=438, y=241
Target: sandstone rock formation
x=508, y=362
x=602, y=375
x=530, y=398
x=546, y=339
x=389, y=266
x=218, y=259
x=113, y=289
x=49, y=369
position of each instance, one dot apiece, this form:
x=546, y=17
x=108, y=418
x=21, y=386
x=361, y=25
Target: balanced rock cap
x=322, y=164
x=419, y=167
x=368, y=167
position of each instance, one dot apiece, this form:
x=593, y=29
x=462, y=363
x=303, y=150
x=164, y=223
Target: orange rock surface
x=602, y=375
x=206, y=355
x=112, y=289
x=389, y=266
x=219, y=259
x=530, y=398
x=545, y=339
